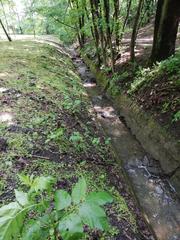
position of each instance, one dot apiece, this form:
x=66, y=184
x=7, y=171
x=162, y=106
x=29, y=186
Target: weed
x=19, y=144
x=96, y=141
x=176, y=116
x=107, y=141
x=72, y=105
x=145, y=75
x=165, y=107
x=141, y=79
x=59, y=136
x=171, y=65
x=46, y=213
x=113, y=85
x=78, y=142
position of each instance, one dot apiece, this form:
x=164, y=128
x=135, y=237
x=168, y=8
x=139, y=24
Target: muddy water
x=156, y=197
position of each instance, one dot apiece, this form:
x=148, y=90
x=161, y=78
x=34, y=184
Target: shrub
x=172, y=64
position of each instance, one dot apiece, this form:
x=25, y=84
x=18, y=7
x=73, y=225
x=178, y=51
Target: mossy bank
x=154, y=138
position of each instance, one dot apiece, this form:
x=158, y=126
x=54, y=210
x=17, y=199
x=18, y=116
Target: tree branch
x=67, y=25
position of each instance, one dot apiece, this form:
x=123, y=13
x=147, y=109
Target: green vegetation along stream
x=153, y=190
x=47, y=127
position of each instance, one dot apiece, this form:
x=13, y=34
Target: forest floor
x=155, y=89
x=47, y=127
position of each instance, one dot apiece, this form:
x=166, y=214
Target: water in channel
x=156, y=197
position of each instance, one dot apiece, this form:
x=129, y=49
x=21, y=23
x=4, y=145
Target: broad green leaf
x=26, y=180
x=100, y=198
x=62, y=199
x=42, y=183
x=35, y=230
x=10, y=225
x=71, y=227
x=10, y=209
x=79, y=191
x=22, y=198
x=94, y=216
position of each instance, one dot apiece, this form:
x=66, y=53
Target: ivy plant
x=43, y=212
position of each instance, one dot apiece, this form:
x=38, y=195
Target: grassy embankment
x=47, y=128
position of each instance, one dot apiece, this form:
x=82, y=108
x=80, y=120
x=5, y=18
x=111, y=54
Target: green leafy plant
x=71, y=104
x=176, y=116
x=78, y=142
x=113, y=85
x=46, y=213
x=172, y=64
x=59, y=136
x=108, y=141
x=96, y=141
x=143, y=76
x=165, y=107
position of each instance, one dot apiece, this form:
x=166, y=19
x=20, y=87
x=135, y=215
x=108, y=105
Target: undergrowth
x=47, y=129
x=145, y=76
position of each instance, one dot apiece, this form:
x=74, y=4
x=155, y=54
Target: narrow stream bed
x=156, y=197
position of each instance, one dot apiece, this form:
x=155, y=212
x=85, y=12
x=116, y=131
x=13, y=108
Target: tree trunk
x=166, y=27
x=8, y=37
x=81, y=21
x=117, y=23
x=95, y=26
x=108, y=31
x=135, y=28
x=126, y=19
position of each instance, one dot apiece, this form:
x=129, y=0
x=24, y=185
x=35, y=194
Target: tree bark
x=166, y=27
x=7, y=35
x=126, y=18
x=135, y=28
x=117, y=23
x=94, y=12
x=108, y=31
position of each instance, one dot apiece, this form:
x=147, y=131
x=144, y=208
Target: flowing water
x=156, y=197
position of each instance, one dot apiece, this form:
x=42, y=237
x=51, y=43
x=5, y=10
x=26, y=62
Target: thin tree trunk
x=63, y=23
x=101, y=32
x=116, y=19
x=81, y=22
x=95, y=26
x=7, y=35
x=134, y=32
x=88, y=18
x=108, y=31
x=126, y=18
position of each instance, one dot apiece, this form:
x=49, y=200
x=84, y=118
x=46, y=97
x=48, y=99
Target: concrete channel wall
x=153, y=137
